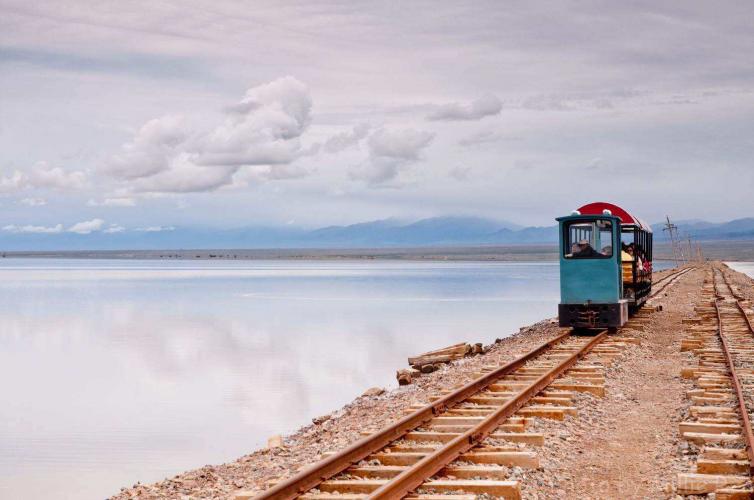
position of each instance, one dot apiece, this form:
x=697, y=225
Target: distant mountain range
x=436, y=231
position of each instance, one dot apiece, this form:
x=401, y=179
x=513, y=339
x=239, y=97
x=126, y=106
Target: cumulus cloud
x=151, y=149
x=43, y=176
x=477, y=109
x=112, y=202
x=12, y=228
x=33, y=202
x=390, y=152
x=345, y=140
x=167, y=155
x=87, y=227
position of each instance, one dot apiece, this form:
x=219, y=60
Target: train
x=605, y=266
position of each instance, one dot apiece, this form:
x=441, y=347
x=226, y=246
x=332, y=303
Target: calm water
x=118, y=371
x=743, y=267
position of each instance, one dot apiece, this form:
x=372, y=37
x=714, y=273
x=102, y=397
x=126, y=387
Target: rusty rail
x=335, y=464
x=747, y=431
x=738, y=303
x=431, y=464
x=670, y=280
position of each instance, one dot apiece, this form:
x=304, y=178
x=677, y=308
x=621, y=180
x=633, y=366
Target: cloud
x=33, y=202
x=43, y=176
x=87, y=227
x=167, y=155
x=345, y=140
x=391, y=151
x=114, y=228
x=403, y=145
x=151, y=149
x=155, y=229
x=487, y=105
x=112, y=202
x=12, y=228
x=12, y=183
x=479, y=138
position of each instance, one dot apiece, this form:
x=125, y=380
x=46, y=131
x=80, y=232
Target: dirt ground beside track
x=625, y=445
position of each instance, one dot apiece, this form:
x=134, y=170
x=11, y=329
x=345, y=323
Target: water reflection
x=117, y=371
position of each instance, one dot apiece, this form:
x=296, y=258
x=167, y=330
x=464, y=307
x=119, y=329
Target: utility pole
x=671, y=229
x=691, y=253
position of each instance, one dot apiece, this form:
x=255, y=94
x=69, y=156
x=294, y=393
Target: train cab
x=605, y=266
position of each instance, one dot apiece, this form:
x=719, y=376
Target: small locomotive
x=605, y=266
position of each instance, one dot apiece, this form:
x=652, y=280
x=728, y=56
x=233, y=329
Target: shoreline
x=733, y=251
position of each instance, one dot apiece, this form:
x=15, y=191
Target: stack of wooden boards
x=433, y=360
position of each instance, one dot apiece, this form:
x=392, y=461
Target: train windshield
x=589, y=239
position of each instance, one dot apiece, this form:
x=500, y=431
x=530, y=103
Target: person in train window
x=646, y=266
x=607, y=250
x=624, y=255
x=585, y=251
x=633, y=250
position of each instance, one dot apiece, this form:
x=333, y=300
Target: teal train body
x=599, y=282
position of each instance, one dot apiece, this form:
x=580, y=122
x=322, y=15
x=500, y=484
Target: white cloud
x=33, y=202
x=114, y=228
x=399, y=144
x=14, y=182
x=43, y=176
x=155, y=229
x=12, y=228
x=87, y=227
x=391, y=151
x=151, y=149
x=477, y=109
x=345, y=140
x=113, y=202
x=168, y=156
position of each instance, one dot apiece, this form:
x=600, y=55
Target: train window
x=589, y=239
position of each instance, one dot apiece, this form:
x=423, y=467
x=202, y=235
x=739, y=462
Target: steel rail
x=739, y=298
x=320, y=471
x=670, y=280
x=746, y=423
x=431, y=464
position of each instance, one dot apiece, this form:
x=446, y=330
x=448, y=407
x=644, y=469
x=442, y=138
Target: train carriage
x=605, y=266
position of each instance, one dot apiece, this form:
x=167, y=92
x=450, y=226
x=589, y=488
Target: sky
x=145, y=116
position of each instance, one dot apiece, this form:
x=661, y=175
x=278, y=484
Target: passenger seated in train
x=607, y=250
x=585, y=251
x=624, y=255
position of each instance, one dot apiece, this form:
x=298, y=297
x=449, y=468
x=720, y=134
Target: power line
x=672, y=230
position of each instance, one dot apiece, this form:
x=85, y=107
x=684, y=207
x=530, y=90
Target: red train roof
x=598, y=207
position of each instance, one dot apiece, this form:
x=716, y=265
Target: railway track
x=722, y=401
x=661, y=284
x=463, y=443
